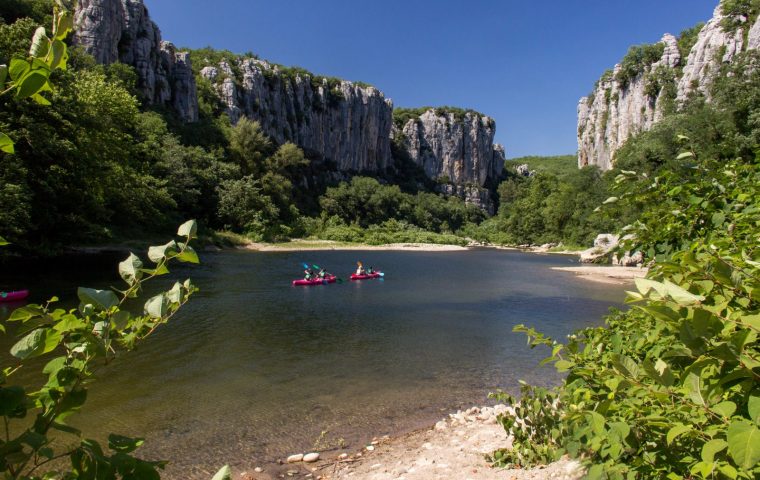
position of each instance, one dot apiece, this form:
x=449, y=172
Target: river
x=253, y=369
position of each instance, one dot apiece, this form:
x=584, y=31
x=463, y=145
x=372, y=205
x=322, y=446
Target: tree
x=249, y=146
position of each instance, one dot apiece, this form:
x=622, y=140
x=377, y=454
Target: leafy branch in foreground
x=671, y=388
x=29, y=77
x=81, y=342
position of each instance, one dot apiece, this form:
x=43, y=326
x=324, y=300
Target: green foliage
x=739, y=13
x=560, y=165
x=390, y=231
x=555, y=205
x=72, y=346
x=637, y=60
x=727, y=127
x=401, y=116
x=36, y=10
x=661, y=79
x=670, y=388
x=365, y=202
x=250, y=146
x=29, y=77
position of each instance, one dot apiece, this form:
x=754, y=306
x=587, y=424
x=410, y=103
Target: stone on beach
x=311, y=457
x=295, y=458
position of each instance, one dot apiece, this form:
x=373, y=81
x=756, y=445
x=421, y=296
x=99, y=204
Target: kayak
x=366, y=276
x=13, y=296
x=316, y=281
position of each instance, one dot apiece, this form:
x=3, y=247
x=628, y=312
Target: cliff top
x=401, y=116
x=211, y=57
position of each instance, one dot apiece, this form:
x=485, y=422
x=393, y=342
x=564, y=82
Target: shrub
x=637, y=60
x=669, y=389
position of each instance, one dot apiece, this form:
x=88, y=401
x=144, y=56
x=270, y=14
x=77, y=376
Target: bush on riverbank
x=390, y=231
x=670, y=388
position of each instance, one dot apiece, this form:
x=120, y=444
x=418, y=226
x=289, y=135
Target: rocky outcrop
x=615, y=111
x=340, y=121
x=715, y=47
x=122, y=31
x=348, y=125
x=604, y=243
x=457, y=147
x=623, y=105
x=352, y=125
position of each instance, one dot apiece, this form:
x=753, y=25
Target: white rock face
x=705, y=58
x=345, y=123
x=613, y=113
x=122, y=31
x=461, y=149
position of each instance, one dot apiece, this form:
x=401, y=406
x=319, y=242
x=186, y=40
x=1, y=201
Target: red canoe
x=316, y=281
x=366, y=276
x=13, y=296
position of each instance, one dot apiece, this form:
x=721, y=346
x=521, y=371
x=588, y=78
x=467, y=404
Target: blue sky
x=524, y=63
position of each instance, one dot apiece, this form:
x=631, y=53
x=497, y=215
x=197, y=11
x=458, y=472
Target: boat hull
x=366, y=277
x=13, y=296
x=309, y=283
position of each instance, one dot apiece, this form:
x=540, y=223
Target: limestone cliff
x=352, y=125
x=340, y=121
x=454, y=145
x=653, y=81
x=122, y=31
x=348, y=125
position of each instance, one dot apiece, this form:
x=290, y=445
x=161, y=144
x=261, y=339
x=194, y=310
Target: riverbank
x=307, y=245
x=456, y=447
x=606, y=274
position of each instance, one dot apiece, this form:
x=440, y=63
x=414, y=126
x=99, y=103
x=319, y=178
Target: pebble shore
x=455, y=448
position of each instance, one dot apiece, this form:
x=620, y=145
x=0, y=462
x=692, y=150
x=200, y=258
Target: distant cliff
x=121, y=30
x=347, y=124
x=340, y=121
x=352, y=125
x=454, y=147
x=654, y=80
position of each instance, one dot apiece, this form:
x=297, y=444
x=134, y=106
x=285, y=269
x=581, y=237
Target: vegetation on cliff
x=401, y=116
x=98, y=164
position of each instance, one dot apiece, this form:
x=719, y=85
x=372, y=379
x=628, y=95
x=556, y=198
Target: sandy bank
x=307, y=245
x=454, y=449
x=605, y=274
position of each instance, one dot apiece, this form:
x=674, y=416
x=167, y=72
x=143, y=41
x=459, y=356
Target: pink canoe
x=13, y=296
x=316, y=281
x=367, y=276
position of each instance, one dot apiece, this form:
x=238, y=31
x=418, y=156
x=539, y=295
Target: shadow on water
x=253, y=368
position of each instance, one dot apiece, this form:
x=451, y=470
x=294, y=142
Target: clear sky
x=524, y=63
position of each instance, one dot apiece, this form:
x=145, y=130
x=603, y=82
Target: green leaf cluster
x=29, y=77
x=671, y=387
x=75, y=345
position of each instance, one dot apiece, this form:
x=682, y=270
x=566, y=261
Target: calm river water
x=253, y=369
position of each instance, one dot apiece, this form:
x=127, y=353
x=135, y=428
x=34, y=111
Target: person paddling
x=322, y=273
x=308, y=274
x=360, y=269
